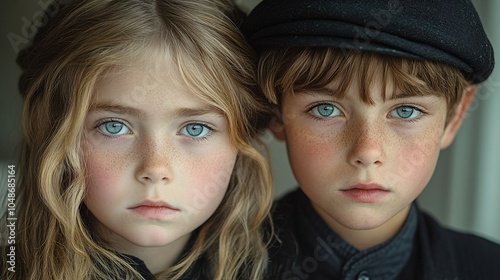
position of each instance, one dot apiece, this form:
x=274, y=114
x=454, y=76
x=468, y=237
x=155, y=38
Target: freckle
x=117, y=162
x=350, y=135
x=130, y=157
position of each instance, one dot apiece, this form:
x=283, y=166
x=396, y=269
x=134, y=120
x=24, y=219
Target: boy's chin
x=364, y=218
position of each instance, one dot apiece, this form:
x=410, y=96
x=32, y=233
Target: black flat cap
x=448, y=31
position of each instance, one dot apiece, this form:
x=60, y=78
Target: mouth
x=153, y=203
x=365, y=193
x=154, y=210
x=368, y=186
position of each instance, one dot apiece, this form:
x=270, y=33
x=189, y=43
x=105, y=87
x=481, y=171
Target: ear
x=278, y=129
x=458, y=116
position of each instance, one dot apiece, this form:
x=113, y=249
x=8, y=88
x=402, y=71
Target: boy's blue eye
x=325, y=110
x=195, y=130
x=405, y=112
x=113, y=128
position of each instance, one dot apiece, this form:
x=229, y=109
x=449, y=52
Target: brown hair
x=291, y=70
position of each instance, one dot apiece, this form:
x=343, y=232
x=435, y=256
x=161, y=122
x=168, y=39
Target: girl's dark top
x=196, y=272
x=306, y=248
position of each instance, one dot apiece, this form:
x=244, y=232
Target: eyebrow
x=401, y=95
x=181, y=112
x=191, y=112
x=332, y=93
x=316, y=91
x=115, y=108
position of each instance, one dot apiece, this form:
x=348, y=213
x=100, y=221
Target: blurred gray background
x=464, y=192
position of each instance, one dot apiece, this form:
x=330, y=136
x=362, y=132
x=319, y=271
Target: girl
x=138, y=158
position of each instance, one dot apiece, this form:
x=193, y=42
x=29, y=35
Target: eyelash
x=199, y=139
x=412, y=106
x=312, y=106
x=423, y=113
x=101, y=122
x=203, y=138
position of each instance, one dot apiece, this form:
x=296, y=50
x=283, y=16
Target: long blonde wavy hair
x=60, y=70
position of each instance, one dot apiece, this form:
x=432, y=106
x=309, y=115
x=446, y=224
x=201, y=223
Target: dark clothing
x=306, y=248
x=196, y=272
x=140, y=266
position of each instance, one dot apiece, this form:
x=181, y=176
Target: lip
x=153, y=203
x=154, y=210
x=365, y=193
x=366, y=186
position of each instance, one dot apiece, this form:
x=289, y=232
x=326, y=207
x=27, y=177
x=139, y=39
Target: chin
x=153, y=239
x=361, y=219
x=153, y=243
x=362, y=224
x=372, y=219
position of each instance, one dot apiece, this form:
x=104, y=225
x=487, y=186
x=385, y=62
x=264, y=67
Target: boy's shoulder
x=443, y=236
x=437, y=252
x=456, y=253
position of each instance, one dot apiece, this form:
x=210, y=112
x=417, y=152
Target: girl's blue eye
x=113, y=128
x=325, y=110
x=195, y=130
x=405, y=112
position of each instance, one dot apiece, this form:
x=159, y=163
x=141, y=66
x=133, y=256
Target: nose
x=366, y=146
x=155, y=163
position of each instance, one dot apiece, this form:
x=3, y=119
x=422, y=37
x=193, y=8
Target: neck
x=157, y=259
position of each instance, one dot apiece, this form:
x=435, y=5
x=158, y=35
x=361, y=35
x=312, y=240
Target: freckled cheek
x=210, y=178
x=312, y=153
x=416, y=160
x=104, y=172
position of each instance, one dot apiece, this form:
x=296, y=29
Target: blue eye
x=113, y=128
x=196, y=130
x=405, y=112
x=325, y=110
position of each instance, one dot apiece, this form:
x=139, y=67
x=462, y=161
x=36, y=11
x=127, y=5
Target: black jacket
x=432, y=252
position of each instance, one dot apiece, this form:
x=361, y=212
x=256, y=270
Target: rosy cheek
x=102, y=171
x=209, y=181
x=417, y=160
x=214, y=180
x=210, y=192
x=323, y=145
x=311, y=153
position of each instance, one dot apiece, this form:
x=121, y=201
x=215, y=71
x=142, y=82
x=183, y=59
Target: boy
x=367, y=94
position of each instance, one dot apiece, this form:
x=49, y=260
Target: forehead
x=149, y=86
x=138, y=76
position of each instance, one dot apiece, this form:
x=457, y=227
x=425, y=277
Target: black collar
x=342, y=260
